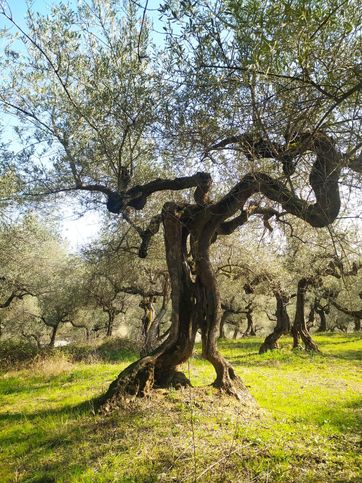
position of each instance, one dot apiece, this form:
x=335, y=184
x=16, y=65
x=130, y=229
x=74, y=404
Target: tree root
x=138, y=380
x=232, y=385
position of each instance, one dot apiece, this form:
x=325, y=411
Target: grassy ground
x=306, y=430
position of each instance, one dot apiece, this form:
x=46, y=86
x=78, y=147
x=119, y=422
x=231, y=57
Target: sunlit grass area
x=307, y=427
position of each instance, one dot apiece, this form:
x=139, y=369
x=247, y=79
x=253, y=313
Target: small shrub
x=51, y=364
x=15, y=353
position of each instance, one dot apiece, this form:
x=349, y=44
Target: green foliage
x=83, y=78
x=23, y=354
x=13, y=352
x=307, y=429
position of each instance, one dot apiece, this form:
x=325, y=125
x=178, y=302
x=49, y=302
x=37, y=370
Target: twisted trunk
x=323, y=320
x=195, y=304
x=159, y=368
x=311, y=316
x=209, y=317
x=152, y=322
x=250, y=329
x=224, y=317
x=300, y=328
x=283, y=323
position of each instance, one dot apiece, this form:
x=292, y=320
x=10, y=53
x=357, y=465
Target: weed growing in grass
x=306, y=429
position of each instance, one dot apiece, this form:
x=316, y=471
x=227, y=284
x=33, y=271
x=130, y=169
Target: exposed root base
x=233, y=386
x=175, y=379
x=137, y=381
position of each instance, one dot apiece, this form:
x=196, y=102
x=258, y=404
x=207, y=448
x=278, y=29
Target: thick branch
x=353, y=313
x=323, y=179
x=132, y=290
x=8, y=301
x=16, y=294
x=136, y=197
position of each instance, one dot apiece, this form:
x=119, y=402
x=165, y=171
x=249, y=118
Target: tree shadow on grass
x=62, y=444
x=71, y=410
x=244, y=344
x=344, y=417
x=351, y=355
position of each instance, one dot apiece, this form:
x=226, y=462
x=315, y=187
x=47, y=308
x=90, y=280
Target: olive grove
x=244, y=110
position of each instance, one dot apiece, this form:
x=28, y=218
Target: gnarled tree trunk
x=300, y=328
x=209, y=317
x=152, y=322
x=321, y=311
x=225, y=315
x=159, y=368
x=283, y=323
x=250, y=329
x=195, y=305
x=196, y=302
x=311, y=316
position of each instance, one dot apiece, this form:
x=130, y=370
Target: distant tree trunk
x=356, y=314
x=32, y=336
x=53, y=334
x=322, y=315
x=110, y=323
x=283, y=323
x=81, y=326
x=311, y=316
x=224, y=317
x=300, y=327
x=236, y=332
x=250, y=329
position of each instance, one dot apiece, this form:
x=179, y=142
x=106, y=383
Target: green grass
x=306, y=430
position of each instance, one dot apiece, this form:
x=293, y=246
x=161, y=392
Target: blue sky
x=77, y=230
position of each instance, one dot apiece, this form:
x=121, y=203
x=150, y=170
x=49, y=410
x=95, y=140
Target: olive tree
x=254, y=93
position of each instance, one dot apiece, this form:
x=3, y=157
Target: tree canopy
x=260, y=98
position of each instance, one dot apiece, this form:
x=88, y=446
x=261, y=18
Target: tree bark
x=159, y=368
x=151, y=322
x=195, y=304
x=224, y=317
x=250, y=329
x=110, y=322
x=53, y=335
x=311, y=316
x=209, y=317
x=323, y=320
x=282, y=326
x=300, y=328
